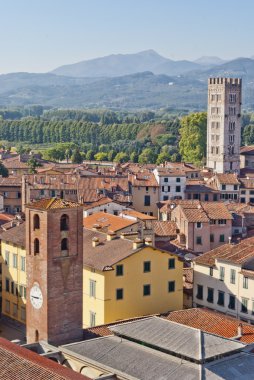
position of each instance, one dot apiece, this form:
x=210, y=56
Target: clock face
x=36, y=296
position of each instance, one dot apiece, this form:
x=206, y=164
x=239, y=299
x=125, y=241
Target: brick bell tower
x=54, y=246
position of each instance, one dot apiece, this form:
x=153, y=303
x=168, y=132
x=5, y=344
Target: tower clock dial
x=36, y=297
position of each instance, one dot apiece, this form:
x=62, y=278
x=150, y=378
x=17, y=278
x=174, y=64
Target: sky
x=40, y=35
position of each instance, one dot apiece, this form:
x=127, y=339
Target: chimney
x=148, y=241
x=95, y=241
x=240, y=330
x=111, y=236
x=96, y=227
x=137, y=243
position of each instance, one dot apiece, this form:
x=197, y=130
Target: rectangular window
x=178, y=179
x=222, y=221
x=221, y=298
x=119, y=294
x=171, y=263
x=166, y=179
x=92, y=289
x=163, y=188
x=147, y=266
x=232, y=98
x=15, y=260
x=12, y=287
x=23, y=263
x=210, y=292
x=171, y=286
x=23, y=313
x=7, y=285
x=147, y=188
x=21, y=290
x=178, y=189
x=223, y=187
x=211, y=271
x=199, y=225
x=231, y=304
x=244, y=305
x=235, y=187
x=146, y=290
x=147, y=200
x=222, y=273
x=200, y=292
x=245, y=282
x=14, y=309
x=92, y=318
x=211, y=238
x=222, y=238
x=7, y=258
x=119, y=270
x=232, y=276
x=199, y=240
x=7, y=306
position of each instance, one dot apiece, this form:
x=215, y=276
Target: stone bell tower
x=224, y=124
x=54, y=246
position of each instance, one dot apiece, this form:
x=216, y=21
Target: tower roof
x=52, y=203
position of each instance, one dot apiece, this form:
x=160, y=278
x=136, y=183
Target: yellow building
x=14, y=273
x=125, y=279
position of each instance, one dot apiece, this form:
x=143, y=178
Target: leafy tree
x=3, y=170
x=121, y=157
x=33, y=165
x=111, y=155
x=90, y=155
x=134, y=157
x=193, y=137
x=162, y=157
x=76, y=157
x=101, y=156
x=147, y=156
x=248, y=134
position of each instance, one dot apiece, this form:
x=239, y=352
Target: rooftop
x=106, y=253
x=18, y=363
x=212, y=322
x=15, y=235
x=52, y=203
x=234, y=253
x=166, y=228
x=107, y=222
x=227, y=179
x=173, y=338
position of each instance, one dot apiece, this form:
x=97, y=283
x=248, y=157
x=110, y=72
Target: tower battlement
x=236, y=81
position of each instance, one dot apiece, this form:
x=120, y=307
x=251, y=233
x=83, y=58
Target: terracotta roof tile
x=108, y=222
x=100, y=202
x=212, y=322
x=52, y=203
x=166, y=228
x=247, y=149
x=15, y=235
x=234, y=253
x=19, y=363
x=227, y=179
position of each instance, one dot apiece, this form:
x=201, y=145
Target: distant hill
x=125, y=64
x=210, y=61
x=186, y=88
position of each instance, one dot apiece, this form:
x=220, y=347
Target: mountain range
x=126, y=81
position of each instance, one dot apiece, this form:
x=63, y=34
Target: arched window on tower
x=36, y=222
x=36, y=246
x=64, y=223
x=64, y=247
